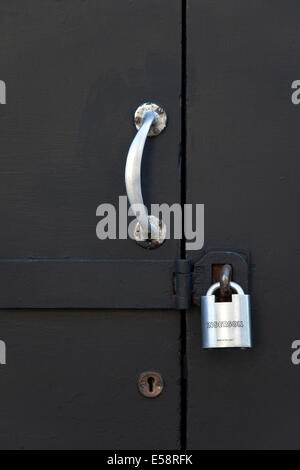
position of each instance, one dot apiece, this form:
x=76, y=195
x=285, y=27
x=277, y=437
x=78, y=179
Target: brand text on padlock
x=225, y=324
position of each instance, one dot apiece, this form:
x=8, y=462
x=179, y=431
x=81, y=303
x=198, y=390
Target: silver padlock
x=226, y=324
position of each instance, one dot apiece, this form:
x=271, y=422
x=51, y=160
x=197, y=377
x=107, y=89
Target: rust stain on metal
x=150, y=384
x=223, y=273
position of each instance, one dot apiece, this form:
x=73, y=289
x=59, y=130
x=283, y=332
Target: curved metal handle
x=151, y=120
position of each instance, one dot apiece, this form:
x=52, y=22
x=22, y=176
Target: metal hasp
x=226, y=324
x=150, y=120
x=210, y=268
x=225, y=278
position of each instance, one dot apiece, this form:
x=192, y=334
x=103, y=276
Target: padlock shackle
x=239, y=290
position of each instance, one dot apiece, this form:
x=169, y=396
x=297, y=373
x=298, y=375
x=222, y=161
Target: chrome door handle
x=150, y=120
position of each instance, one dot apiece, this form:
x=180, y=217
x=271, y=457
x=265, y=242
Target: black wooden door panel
x=71, y=380
x=75, y=73
x=243, y=164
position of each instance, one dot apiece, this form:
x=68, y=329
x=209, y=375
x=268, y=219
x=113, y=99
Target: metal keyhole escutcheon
x=150, y=384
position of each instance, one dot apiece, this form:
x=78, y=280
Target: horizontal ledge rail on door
x=94, y=284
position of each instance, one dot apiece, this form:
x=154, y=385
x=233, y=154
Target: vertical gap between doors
x=183, y=424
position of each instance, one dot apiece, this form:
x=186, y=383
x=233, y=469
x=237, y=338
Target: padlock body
x=226, y=324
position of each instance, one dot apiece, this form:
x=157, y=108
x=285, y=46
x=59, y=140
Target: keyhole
x=151, y=381
x=150, y=384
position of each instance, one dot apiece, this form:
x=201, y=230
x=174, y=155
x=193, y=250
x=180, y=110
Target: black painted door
x=75, y=72
x=243, y=164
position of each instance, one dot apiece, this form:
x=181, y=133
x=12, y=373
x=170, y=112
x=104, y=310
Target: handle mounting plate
x=150, y=242
x=159, y=123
